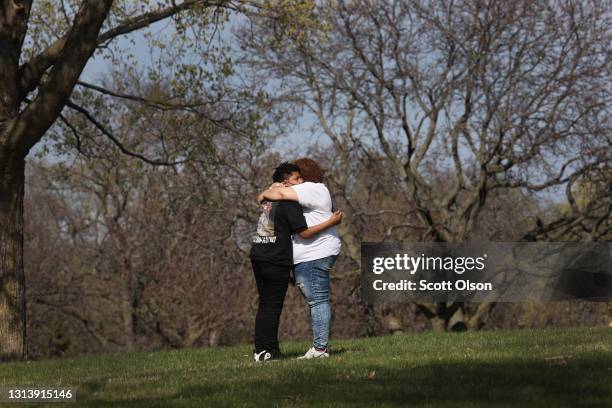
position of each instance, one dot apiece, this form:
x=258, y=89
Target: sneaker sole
x=312, y=358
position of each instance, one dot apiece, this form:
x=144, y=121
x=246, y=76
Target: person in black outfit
x=272, y=259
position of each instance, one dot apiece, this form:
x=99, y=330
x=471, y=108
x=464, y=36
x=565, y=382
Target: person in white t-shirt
x=313, y=257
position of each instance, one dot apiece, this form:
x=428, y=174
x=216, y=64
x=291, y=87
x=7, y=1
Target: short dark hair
x=284, y=171
x=310, y=170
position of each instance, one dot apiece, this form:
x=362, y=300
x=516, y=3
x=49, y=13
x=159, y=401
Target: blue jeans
x=312, y=279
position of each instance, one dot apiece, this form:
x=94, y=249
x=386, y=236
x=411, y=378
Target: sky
x=98, y=68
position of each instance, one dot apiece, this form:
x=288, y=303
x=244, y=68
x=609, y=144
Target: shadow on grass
x=584, y=383
x=294, y=355
x=531, y=384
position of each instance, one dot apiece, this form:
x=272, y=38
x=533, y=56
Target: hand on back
x=277, y=185
x=337, y=217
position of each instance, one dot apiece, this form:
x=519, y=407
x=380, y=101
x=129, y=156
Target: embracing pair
x=296, y=231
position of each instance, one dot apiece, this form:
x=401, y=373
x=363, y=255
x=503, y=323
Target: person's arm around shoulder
x=276, y=193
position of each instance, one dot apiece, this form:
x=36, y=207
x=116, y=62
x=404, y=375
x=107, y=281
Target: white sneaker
x=262, y=356
x=314, y=353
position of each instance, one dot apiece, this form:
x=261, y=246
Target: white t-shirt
x=316, y=202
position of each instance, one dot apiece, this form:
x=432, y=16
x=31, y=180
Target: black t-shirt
x=278, y=221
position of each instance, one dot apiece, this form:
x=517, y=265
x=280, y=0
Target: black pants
x=272, y=281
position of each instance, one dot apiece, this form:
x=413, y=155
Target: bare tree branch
x=32, y=71
x=115, y=141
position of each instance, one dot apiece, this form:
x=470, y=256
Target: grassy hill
x=542, y=368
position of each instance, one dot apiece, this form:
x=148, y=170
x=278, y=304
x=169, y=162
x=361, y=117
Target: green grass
x=542, y=368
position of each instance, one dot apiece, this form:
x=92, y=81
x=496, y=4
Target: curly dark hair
x=310, y=170
x=283, y=171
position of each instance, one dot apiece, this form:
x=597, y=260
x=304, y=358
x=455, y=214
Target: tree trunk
x=456, y=321
x=213, y=338
x=438, y=324
x=127, y=312
x=12, y=278
x=475, y=322
x=394, y=324
x=448, y=317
